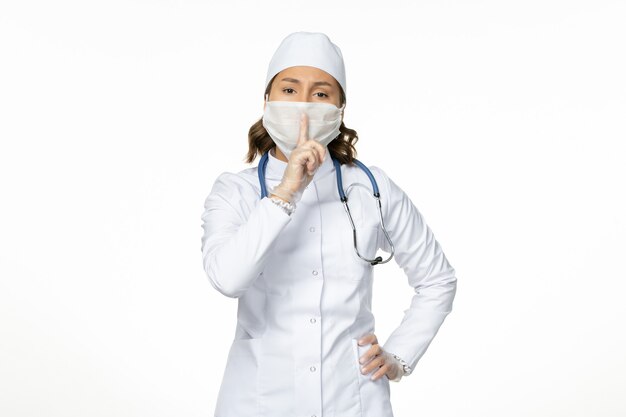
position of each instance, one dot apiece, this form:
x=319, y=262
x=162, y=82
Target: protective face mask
x=281, y=119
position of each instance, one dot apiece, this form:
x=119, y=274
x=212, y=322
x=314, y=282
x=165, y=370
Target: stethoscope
x=342, y=196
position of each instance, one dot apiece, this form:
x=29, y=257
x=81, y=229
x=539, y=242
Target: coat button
x=313, y=320
x=312, y=368
x=311, y=229
x=314, y=272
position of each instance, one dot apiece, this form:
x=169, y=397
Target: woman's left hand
x=377, y=359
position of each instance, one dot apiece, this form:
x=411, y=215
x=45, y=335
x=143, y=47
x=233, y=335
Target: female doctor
x=299, y=258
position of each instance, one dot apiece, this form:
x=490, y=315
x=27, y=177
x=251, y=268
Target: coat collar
x=276, y=168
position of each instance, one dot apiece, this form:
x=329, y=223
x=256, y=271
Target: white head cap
x=312, y=49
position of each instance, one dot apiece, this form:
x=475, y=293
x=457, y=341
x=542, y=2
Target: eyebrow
x=293, y=80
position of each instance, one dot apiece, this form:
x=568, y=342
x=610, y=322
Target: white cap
x=312, y=49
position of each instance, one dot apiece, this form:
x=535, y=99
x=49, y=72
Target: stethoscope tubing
x=344, y=199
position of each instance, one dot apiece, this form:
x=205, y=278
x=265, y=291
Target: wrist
x=404, y=367
x=286, y=206
x=279, y=197
x=285, y=193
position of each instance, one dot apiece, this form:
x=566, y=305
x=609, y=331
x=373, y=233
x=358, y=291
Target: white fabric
x=312, y=49
x=281, y=119
x=304, y=296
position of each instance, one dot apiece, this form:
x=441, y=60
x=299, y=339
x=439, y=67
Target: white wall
x=504, y=122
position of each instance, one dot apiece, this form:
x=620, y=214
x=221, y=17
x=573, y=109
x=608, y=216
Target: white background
x=503, y=121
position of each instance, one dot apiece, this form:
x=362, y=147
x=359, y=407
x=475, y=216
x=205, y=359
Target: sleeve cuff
x=406, y=369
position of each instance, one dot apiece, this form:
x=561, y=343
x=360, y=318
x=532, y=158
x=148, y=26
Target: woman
x=304, y=343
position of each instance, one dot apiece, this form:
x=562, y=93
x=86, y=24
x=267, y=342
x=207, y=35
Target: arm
x=237, y=238
x=428, y=272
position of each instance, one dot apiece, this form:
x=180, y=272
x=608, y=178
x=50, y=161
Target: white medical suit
x=304, y=296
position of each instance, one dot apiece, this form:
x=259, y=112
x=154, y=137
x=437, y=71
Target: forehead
x=306, y=73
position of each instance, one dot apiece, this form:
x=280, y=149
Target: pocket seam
x=355, y=356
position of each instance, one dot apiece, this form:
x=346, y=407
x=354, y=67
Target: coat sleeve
x=237, y=237
x=428, y=271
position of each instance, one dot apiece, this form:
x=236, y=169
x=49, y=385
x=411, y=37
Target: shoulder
x=386, y=187
x=379, y=173
x=388, y=182
x=242, y=184
x=355, y=173
x=389, y=189
x=380, y=176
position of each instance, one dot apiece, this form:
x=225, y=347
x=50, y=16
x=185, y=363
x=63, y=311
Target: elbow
x=438, y=294
x=222, y=287
x=229, y=287
x=449, y=291
x=442, y=282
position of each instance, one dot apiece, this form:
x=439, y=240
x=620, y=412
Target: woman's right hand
x=302, y=165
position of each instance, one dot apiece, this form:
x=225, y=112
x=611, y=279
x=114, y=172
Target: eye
x=322, y=93
x=285, y=89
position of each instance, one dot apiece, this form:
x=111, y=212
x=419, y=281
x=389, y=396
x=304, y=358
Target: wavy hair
x=341, y=148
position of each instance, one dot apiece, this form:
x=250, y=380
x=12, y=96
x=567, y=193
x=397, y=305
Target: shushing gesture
x=303, y=163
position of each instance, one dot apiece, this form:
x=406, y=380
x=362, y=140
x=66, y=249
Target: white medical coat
x=304, y=296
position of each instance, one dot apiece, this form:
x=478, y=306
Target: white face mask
x=281, y=119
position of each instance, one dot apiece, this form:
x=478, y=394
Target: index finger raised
x=304, y=129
